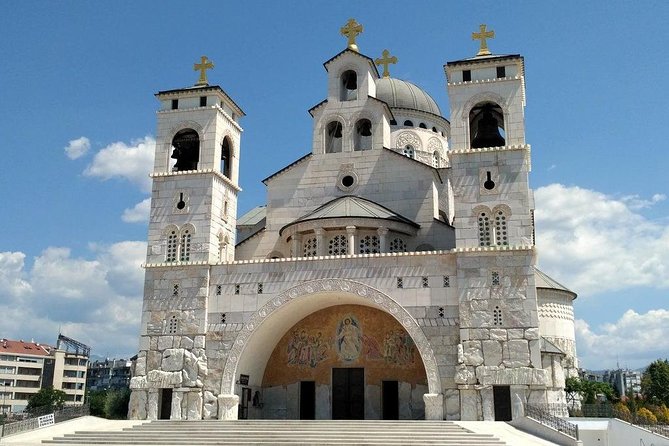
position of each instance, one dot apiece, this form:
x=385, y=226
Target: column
x=296, y=245
x=320, y=241
x=383, y=239
x=350, y=232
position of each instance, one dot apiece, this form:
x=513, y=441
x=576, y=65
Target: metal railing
x=609, y=411
x=27, y=424
x=558, y=423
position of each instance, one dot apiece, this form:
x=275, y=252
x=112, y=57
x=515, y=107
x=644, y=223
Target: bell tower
x=489, y=157
x=195, y=174
x=494, y=234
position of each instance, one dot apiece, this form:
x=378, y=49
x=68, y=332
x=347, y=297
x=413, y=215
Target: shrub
x=645, y=416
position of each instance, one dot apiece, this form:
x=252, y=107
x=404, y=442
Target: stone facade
x=396, y=212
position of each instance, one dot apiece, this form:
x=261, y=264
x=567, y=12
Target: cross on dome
x=351, y=31
x=204, y=65
x=482, y=35
x=385, y=60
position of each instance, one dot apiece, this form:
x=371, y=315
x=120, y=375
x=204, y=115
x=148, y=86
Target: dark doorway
x=165, y=404
x=390, y=398
x=502, y=399
x=348, y=394
x=244, y=403
x=307, y=400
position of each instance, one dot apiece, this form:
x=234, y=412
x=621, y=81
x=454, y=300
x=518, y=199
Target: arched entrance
x=257, y=340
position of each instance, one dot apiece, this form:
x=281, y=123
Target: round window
x=347, y=181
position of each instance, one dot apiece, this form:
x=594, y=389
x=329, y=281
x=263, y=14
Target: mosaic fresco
x=341, y=336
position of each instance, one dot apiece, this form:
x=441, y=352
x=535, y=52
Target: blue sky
x=81, y=75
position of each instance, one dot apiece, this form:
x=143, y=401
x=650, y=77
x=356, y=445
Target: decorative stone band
x=491, y=149
x=353, y=256
x=218, y=174
x=365, y=292
x=485, y=81
x=552, y=310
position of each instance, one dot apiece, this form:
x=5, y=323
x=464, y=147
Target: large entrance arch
x=255, y=342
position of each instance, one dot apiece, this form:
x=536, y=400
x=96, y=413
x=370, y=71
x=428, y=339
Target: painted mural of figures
x=349, y=339
x=398, y=348
x=371, y=347
x=306, y=350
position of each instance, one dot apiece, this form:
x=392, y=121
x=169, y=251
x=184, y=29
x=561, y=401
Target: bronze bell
x=487, y=133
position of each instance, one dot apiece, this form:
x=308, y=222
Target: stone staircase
x=289, y=432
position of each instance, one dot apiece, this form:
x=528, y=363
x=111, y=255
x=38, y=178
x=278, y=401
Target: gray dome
x=403, y=94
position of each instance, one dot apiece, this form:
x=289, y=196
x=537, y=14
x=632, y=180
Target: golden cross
x=351, y=31
x=204, y=65
x=482, y=36
x=385, y=61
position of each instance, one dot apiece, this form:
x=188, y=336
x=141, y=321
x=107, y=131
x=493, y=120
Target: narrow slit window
x=400, y=282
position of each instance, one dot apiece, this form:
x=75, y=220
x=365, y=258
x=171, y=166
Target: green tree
x=46, y=399
x=655, y=383
x=590, y=389
x=116, y=404
x=96, y=399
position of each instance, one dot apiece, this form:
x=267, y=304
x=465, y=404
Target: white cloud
x=635, y=340
x=130, y=162
x=636, y=203
x=97, y=301
x=594, y=243
x=139, y=213
x=12, y=279
x=77, y=148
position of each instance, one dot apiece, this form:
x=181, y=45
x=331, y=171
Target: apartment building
x=26, y=367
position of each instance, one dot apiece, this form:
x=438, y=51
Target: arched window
x=226, y=157
x=186, y=150
x=369, y=244
x=349, y=86
x=223, y=242
x=434, y=129
x=408, y=123
x=485, y=237
x=501, y=236
x=363, y=135
x=422, y=125
x=486, y=126
x=338, y=245
x=393, y=122
x=436, y=159
x=398, y=245
x=333, y=137
x=409, y=151
x=184, y=245
x=172, y=237
x=310, y=247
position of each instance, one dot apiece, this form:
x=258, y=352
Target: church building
x=390, y=274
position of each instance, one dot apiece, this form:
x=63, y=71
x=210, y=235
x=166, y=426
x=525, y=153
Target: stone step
x=284, y=432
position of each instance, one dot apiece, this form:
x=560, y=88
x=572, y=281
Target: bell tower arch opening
x=186, y=150
x=333, y=137
x=226, y=157
x=486, y=126
x=349, y=86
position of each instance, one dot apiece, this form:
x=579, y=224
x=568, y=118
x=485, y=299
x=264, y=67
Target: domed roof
x=403, y=94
